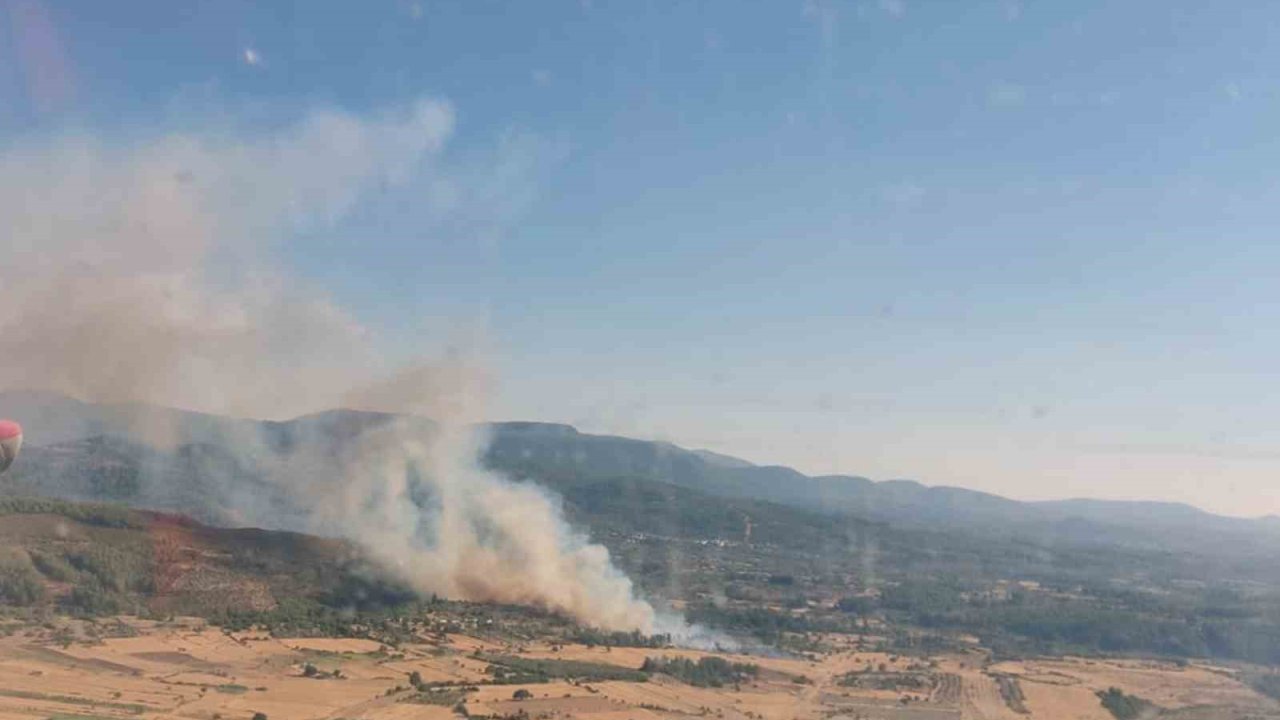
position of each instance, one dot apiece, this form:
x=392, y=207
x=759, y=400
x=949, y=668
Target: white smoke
x=139, y=272
x=423, y=507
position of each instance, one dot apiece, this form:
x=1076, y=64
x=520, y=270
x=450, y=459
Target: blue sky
x=1021, y=247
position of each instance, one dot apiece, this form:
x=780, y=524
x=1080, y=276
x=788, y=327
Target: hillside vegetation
x=93, y=559
x=781, y=572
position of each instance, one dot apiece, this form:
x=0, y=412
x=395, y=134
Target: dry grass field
x=138, y=670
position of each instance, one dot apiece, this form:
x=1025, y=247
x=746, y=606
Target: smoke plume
x=141, y=271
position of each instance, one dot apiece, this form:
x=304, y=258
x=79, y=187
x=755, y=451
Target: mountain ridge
x=548, y=451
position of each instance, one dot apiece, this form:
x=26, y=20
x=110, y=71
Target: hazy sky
x=1028, y=248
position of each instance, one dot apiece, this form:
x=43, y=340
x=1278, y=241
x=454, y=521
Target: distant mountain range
x=542, y=452
x=86, y=451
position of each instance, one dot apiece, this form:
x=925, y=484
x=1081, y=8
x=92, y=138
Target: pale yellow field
x=1049, y=684
x=185, y=670
x=333, y=645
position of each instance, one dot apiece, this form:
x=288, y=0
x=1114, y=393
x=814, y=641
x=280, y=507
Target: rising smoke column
x=421, y=504
x=414, y=495
x=135, y=272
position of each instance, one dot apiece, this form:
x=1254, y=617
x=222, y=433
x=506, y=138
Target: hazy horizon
x=1022, y=248
x=751, y=457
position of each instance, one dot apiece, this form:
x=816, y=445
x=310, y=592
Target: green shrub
x=513, y=670
x=91, y=597
x=708, y=671
x=53, y=566
x=125, y=568
x=20, y=583
x=87, y=513
x=1124, y=707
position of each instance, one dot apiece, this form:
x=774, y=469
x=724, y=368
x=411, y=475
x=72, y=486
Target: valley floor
x=131, y=669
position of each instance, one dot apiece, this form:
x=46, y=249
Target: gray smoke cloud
x=419, y=502
x=139, y=272
x=136, y=272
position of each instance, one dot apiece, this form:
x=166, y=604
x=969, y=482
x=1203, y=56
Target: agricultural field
x=128, y=668
x=114, y=613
